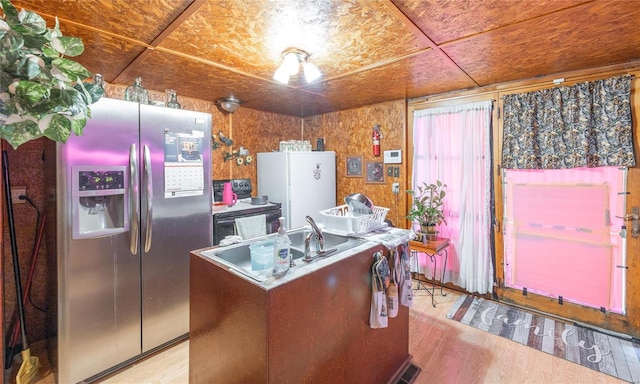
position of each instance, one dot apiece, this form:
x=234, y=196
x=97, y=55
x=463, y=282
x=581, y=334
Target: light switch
x=389, y=171
x=396, y=171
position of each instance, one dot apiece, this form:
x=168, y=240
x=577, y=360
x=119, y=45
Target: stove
x=242, y=188
x=224, y=216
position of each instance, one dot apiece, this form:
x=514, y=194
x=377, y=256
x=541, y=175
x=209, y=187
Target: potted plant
x=41, y=89
x=427, y=207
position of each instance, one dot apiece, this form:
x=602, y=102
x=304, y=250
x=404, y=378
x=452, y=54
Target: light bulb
x=291, y=63
x=281, y=75
x=311, y=72
x=229, y=106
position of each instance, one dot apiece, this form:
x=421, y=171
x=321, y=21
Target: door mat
x=599, y=351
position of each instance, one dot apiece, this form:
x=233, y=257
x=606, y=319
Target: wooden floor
x=445, y=350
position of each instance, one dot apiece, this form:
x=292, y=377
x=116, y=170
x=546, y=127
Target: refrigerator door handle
x=134, y=201
x=149, y=183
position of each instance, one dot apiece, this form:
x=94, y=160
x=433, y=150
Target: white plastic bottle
x=281, y=249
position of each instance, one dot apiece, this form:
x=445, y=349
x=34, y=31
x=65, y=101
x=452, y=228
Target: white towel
x=251, y=226
x=229, y=240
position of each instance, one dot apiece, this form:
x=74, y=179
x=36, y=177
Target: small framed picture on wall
x=354, y=166
x=375, y=172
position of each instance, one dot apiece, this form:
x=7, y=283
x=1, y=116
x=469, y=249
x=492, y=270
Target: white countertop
x=242, y=204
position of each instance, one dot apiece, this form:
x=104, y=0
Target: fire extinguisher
x=375, y=136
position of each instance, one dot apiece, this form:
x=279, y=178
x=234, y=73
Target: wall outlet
x=395, y=188
x=18, y=191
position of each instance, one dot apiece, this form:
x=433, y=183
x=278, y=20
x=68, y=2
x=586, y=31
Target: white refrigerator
x=303, y=182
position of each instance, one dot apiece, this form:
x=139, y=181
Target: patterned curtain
x=584, y=125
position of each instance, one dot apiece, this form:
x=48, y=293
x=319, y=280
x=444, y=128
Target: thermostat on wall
x=393, y=157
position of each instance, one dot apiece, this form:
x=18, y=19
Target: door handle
x=149, y=184
x=134, y=200
x=634, y=217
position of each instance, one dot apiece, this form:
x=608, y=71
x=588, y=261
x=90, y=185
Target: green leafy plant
x=428, y=206
x=41, y=90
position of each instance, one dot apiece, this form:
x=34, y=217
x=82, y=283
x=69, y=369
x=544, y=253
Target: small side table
x=438, y=247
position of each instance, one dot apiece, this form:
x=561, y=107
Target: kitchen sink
x=297, y=238
x=238, y=256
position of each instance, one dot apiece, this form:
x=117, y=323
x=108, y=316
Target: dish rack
x=340, y=221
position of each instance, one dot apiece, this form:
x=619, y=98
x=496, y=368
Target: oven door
x=273, y=220
x=226, y=225
x=223, y=227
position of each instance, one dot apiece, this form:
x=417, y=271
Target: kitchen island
x=312, y=326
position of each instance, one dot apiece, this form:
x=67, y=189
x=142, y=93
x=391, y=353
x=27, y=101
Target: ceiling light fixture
x=292, y=58
x=228, y=104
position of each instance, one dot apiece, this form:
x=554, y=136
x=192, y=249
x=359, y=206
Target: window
x=453, y=145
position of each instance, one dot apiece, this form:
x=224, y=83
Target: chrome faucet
x=317, y=233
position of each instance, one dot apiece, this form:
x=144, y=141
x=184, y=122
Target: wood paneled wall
x=348, y=133
x=259, y=132
x=26, y=170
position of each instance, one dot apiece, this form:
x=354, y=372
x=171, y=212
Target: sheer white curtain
x=452, y=144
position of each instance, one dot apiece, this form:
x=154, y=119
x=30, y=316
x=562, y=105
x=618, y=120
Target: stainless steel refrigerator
x=303, y=182
x=127, y=201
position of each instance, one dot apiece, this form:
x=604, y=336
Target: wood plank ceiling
x=368, y=51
